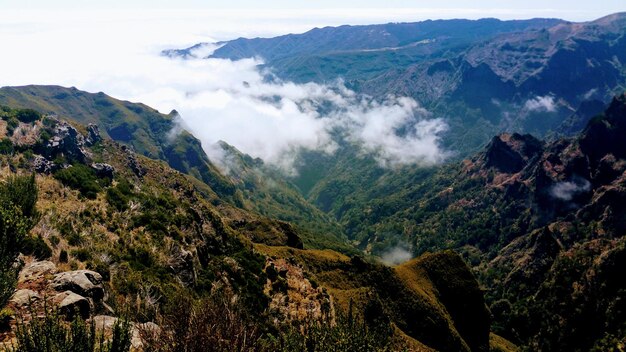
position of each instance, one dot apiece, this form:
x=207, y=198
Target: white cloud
x=118, y=53
x=566, y=190
x=396, y=255
x=541, y=104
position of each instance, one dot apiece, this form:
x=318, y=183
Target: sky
x=575, y=10
x=114, y=47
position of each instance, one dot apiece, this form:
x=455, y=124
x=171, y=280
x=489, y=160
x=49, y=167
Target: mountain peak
x=509, y=153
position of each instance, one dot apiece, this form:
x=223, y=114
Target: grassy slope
x=148, y=132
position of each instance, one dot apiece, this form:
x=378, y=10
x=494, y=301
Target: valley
x=121, y=229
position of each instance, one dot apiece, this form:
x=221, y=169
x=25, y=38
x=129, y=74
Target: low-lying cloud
x=396, y=255
x=567, y=190
x=217, y=99
x=541, y=104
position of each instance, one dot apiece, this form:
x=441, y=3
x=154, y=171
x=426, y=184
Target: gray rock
x=103, y=170
x=70, y=304
x=84, y=282
x=43, y=165
x=67, y=141
x=36, y=270
x=93, y=134
x=133, y=163
x=24, y=297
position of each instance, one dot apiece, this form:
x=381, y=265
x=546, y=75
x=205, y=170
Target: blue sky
x=574, y=10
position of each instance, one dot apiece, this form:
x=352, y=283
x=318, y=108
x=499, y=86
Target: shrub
x=81, y=254
x=63, y=257
x=27, y=115
x=81, y=178
x=18, y=196
x=6, y=146
x=37, y=247
x=51, y=333
x=347, y=334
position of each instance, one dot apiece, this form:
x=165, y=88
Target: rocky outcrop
x=67, y=141
x=133, y=163
x=36, y=270
x=103, y=170
x=43, y=165
x=93, y=134
x=84, y=282
x=24, y=297
x=71, y=304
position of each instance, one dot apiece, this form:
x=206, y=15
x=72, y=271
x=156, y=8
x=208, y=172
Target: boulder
x=104, y=324
x=24, y=297
x=36, y=270
x=149, y=330
x=70, y=304
x=103, y=170
x=84, y=282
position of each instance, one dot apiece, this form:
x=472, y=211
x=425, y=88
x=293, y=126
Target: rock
x=104, y=323
x=67, y=141
x=43, y=165
x=85, y=282
x=133, y=163
x=93, y=134
x=103, y=170
x=139, y=331
x=36, y=270
x=70, y=304
x=24, y=297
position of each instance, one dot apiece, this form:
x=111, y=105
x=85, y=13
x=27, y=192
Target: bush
x=37, y=247
x=63, y=257
x=81, y=178
x=51, y=333
x=347, y=334
x=18, y=196
x=27, y=115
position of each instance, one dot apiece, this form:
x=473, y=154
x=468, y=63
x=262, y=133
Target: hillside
x=150, y=238
x=542, y=224
x=151, y=134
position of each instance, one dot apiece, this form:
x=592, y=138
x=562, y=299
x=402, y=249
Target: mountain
x=159, y=136
x=542, y=224
x=483, y=77
x=112, y=231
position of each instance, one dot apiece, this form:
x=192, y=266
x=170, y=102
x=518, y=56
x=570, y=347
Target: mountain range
x=514, y=243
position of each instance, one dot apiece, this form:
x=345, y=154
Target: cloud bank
x=217, y=99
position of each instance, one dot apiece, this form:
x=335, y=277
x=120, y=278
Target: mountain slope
x=541, y=222
x=152, y=134
x=157, y=241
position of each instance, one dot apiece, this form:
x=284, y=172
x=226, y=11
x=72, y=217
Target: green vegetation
x=51, y=333
x=348, y=333
x=82, y=178
x=18, y=195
